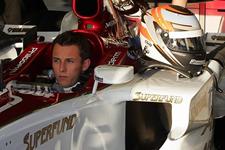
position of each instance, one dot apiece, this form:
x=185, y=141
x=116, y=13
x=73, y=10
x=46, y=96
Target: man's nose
x=62, y=67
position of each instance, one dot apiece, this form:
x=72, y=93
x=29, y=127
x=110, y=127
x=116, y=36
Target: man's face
x=67, y=64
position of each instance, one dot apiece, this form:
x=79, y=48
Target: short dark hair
x=73, y=38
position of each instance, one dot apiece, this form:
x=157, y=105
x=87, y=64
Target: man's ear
x=86, y=64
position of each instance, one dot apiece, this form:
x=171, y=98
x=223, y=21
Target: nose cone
x=86, y=9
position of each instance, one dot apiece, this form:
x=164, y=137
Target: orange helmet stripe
x=156, y=13
x=167, y=7
x=145, y=33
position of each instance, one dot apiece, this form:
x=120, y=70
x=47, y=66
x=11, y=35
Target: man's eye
x=70, y=61
x=56, y=60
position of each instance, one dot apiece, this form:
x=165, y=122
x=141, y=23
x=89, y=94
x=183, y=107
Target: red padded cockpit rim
x=100, y=5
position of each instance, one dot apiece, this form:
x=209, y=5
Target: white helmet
x=172, y=35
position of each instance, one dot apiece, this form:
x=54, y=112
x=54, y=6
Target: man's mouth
x=62, y=77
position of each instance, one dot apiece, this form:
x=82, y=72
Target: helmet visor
x=184, y=41
x=194, y=44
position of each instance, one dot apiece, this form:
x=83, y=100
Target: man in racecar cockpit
x=70, y=59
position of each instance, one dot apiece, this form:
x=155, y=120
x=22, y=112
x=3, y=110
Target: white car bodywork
x=97, y=121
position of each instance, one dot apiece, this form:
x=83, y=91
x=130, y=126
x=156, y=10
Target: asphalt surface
x=219, y=134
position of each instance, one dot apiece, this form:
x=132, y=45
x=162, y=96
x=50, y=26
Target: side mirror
x=112, y=74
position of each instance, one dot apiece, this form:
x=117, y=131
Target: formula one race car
x=157, y=97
